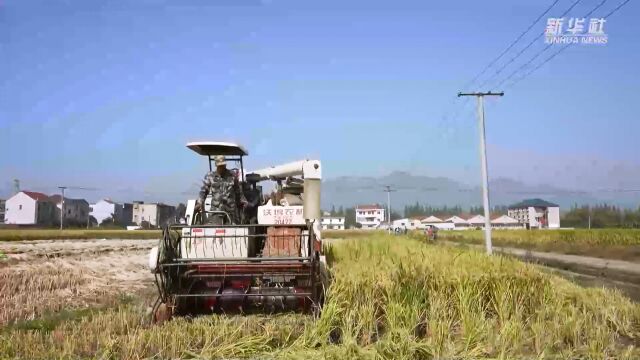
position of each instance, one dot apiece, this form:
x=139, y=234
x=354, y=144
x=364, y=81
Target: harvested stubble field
x=40, y=278
x=391, y=297
x=55, y=234
x=621, y=244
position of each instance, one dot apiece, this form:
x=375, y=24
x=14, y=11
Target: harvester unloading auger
x=270, y=261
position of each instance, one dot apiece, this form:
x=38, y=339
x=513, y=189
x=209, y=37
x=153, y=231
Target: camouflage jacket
x=225, y=193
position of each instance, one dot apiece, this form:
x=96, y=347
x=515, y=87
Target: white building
x=500, y=222
x=155, y=214
x=506, y=222
x=370, y=216
x=76, y=211
x=536, y=213
x=106, y=208
x=437, y=222
x=29, y=208
x=445, y=225
x=458, y=223
x=333, y=223
x=431, y=220
x=476, y=221
x=409, y=224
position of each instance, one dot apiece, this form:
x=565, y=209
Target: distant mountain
x=435, y=191
x=438, y=191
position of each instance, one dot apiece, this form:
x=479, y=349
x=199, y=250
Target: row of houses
x=368, y=216
x=527, y=214
x=36, y=208
x=458, y=223
x=138, y=212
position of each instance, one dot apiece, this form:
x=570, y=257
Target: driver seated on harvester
x=226, y=195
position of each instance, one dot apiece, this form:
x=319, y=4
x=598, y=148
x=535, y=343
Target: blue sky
x=106, y=93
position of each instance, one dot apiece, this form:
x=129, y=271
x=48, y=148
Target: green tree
x=395, y=215
x=349, y=217
x=601, y=216
x=106, y=221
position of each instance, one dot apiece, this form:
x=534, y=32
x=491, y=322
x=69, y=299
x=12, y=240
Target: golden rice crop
x=622, y=244
x=390, y=298
x=595, y=237
x=350, y=234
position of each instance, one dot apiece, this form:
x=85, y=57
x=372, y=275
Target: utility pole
x=62, y=188
x=388, y=190
x=483, y=162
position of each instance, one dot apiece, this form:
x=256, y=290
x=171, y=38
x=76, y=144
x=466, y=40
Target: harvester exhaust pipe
x=311, y=194
x=312, y=178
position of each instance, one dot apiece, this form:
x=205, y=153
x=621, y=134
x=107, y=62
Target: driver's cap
x=220, y=160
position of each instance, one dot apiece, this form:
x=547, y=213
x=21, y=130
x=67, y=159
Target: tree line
x=419, y=210
x=601, y=216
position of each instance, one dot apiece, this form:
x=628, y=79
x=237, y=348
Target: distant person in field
x=226, y=194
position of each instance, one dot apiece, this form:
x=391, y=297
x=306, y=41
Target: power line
x=617, y=8
x=545, y=49
x=510, y=45
x=540, y=65
x=513, y=43
x=457, y=110
x=564, y=47
x=525, y=48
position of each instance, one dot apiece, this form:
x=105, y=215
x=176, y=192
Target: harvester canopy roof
x=211, y=148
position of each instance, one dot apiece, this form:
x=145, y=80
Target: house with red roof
x=29, y=208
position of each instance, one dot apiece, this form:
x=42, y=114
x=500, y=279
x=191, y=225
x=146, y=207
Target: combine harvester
x=270, y=261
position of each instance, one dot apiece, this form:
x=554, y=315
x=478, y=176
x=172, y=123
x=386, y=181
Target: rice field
x=595, y=237
x=391, y=297
x=621, y=244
